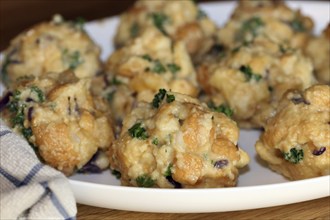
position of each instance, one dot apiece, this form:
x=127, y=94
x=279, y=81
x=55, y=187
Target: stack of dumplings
x=165, y=108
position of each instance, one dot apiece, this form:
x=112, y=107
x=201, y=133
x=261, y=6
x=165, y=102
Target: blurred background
x=18, y=15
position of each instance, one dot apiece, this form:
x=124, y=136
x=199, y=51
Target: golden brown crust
x=194, y=146
x=301, y=123
x=318, y=49
x=72, y=126
x=51, y=47
x=148, y=63
x=181, y=20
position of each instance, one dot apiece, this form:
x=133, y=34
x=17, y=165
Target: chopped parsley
x=250, y=26
x=116, y=173
x=159, y=21
x=170, y=98
x=13, y=105
x=294, y=156
x=221, y=108
x=249, y=74
x=27, y=133
x=137, y=131
x=201, y=14
x=145, y=181
x=115, y=81
x=79, y=23
x=155, y=141
x=147, y=57
x=72, y=60
x=17, y=108
x=158, y=98
x=168, y=171
x=173, y=68
x=18, y=119
x=158, y=67
x=39, y=93
x=134, y=30
x=110, y=96
x=297, y=25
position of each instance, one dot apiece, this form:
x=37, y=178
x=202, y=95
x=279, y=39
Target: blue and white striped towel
x=28, y=188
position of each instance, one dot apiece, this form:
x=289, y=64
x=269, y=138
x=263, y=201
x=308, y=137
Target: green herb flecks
x=158, y=98
x=40, y=94
x=116, y=173
x=13, y=105
x=249, y=27
x=221, y=108
x=79, y=23
x=71, y=59
x=173, y=68
x=17, y=108
x=115, y=81
x=168, y=171
x=159, y=21
x=297, y=25
x=201, y=14
x=19, y=103
x=18, y=119
x=134, y=30
x=145, y=181
x=170, y=98
x=110, y=96
x=158, y=67
x=294, y=156
x=137, y=131
x=249, y=74
x=155, y=141
x=27, y=133
x=147, y=57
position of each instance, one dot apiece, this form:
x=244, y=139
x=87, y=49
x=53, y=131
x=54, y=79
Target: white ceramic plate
x=258, y=186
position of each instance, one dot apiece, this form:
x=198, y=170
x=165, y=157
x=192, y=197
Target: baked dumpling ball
x=296, y=141
x=180, y=20
x=177, y=142
x=53, y=46
x=61, y=121
x=148, y=63
x=253, y=19
x=253, y=78
x=318, y=49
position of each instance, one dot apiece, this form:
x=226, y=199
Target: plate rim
x=262, y=195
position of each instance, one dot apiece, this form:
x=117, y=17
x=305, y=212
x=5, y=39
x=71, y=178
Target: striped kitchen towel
x=28, y=188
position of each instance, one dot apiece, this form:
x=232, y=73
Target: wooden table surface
x=12, y=22
x=314, y=209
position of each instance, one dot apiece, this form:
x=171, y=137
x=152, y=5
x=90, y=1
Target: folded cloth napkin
x=28, y=188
